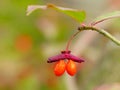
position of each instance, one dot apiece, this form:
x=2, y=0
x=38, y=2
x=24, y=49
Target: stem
x=101, y=31
x=69, y=41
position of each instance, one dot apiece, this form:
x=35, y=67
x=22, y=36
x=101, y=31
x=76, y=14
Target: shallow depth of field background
x=26, y=42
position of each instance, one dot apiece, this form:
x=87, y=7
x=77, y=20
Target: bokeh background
x=26, y=42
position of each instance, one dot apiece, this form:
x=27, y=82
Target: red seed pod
x=59, y=68
x=71, y=68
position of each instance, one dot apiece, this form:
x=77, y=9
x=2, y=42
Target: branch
x=101, y=31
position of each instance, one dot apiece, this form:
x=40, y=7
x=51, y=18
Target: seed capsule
x=60, y=68
x=71, y=68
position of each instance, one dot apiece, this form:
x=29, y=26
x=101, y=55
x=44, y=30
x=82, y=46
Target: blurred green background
x=26, y=42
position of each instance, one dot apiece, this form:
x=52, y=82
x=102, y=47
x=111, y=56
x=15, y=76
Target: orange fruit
x=71, y=68
x=59, y=68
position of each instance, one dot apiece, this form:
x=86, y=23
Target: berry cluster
x=61, y=64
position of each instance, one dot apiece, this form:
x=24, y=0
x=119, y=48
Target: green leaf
x=76, y=14
x=107, y=16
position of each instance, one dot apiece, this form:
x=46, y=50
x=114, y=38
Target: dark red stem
x=69, y=41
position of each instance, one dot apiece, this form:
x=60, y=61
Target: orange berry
x=71, y=68
x=60, y=68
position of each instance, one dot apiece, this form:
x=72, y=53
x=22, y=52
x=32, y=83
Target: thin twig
x=101, y=31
